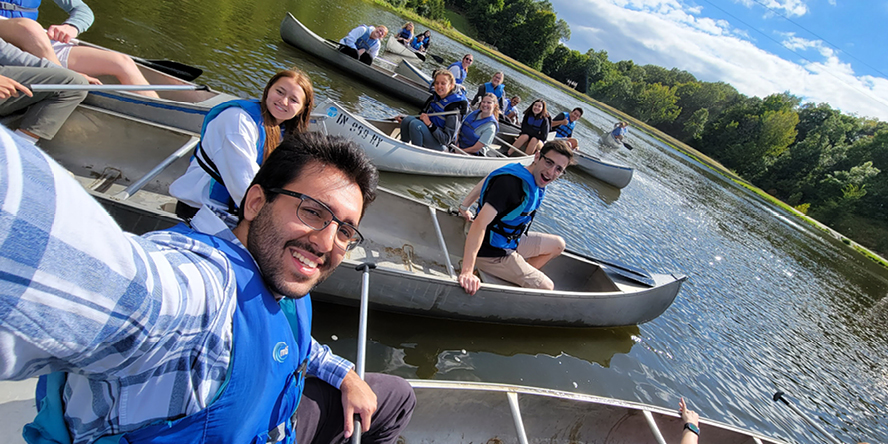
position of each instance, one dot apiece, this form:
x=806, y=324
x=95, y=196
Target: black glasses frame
x=352, y=243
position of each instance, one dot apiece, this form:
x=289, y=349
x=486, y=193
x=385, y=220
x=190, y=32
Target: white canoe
x=390, y=154
x=608, y=172
x=178, y=109
x=397, y=48
x=413, y=73
x=294, y=33
x=611, y=142
x=417, y=249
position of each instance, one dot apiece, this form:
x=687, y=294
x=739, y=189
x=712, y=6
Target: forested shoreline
x=826, y=164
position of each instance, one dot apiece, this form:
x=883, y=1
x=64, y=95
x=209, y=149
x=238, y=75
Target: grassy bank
x=451, y=32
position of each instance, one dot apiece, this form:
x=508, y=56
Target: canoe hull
x=395, y=47
x=610, y=173
x=389, y=154
x=413, y=73
x=294, y=33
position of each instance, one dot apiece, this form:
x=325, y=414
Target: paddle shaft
x=779, y=397
x=175, y=69
x=612, y=265
x=362, y=336
x=442, y=113
x=48, y=87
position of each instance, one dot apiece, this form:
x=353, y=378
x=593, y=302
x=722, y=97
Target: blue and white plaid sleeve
x=326, y=365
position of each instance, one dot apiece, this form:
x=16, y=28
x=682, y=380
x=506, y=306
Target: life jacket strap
x=13, y=7
x=210, y=168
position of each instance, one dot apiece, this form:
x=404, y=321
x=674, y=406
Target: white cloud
x=667, y=34
x=785, y=7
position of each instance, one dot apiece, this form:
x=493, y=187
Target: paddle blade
x=437, y=58
x=420, y=56
x=628, y=147
x=175, y=69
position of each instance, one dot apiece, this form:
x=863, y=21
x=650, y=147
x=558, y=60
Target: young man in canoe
x=564, y=123
x=194, y=334
x=362, y=42
x=499, y=242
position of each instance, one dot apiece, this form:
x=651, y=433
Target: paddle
x=437, y=58
x=638, y=274
x=779, y=397
x=628, y=147
x=362, y=336
x=56, y=87
x=442, y=113
x=175, y=69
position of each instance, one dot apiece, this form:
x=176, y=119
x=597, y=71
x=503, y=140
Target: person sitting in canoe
x=362, y=42
x=621, y=130
x=406, y=34
x=510, y=112
x=479, y=128
x=45, y=112
x=499, y=241
x=495, y=86
x=30, y=37
x=195, y=334
x=460, y=69
x=534, y=127
x=235, y=140
x=422, y=41
x=564, y=124
x=436, y=127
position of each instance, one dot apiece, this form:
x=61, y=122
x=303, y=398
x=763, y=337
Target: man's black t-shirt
x=504, y=193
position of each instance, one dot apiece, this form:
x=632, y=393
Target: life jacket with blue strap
x=439, y=105
x=498, y=91
x=462, y=72
x=467, y=134
x=505, y=232
x=419, y=43
x=365, y=42
x=19, y=8
x=265, y=378
x=218, y=192
x=405, y=33
x=565, y=130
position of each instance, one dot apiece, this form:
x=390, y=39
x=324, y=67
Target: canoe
x=294, y=33
x=390, y=154
x=476, y=412
x=179, y=109
x=611, y=142
x=417, y=249
x=397, y=48
x=611, y=173
x=413, y=73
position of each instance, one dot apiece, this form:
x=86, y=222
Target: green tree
x=657, y=104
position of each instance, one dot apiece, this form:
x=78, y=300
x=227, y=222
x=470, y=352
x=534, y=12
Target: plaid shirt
x=143, y=325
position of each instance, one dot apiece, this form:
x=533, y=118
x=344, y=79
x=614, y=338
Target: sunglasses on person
x=317, y=216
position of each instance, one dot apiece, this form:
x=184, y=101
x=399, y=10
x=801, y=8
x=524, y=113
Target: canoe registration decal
x=359, y=130
x=332, y=111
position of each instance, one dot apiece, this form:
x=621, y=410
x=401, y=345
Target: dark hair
x=560, y=146
x=298, y=150
x=299, y=122
x=529, y=110
x=578, y=109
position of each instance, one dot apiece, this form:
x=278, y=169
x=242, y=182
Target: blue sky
x=821, y=50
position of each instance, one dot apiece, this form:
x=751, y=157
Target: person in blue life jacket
x=196, y=334
x=363, y=42
x=405, y=35
x=534, y=127
x=564, y=123
x=460, y=70
x=620, y=131
x=422, y=41
x=479, y=128
x=510, y=112
x=495, y=86
x=432, y=129
x=80, y=17
x=236, y=138
x=29, y=36
x=500, y=242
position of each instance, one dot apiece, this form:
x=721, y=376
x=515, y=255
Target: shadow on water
x=424, y=341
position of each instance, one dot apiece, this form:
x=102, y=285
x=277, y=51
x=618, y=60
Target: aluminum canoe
x=418, y=249
x=413, y=73
x=378, y=139
x=608, y=172
x=397, y=48
x=294, y=33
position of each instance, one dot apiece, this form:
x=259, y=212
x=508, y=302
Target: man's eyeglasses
x=559, y=170
x=317, y=216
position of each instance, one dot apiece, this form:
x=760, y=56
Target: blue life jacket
x=218, y=192
x=566, y=129
x=405, y=33
x=462, y=72
x=264, y=383
x=418, y=43
x=536, y=122
x=19, y=8
x=365, y=42
x=506, y=232
x=498, y=91
x=467, y=134
x=438, y=105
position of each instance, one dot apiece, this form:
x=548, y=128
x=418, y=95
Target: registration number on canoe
x=359, y=130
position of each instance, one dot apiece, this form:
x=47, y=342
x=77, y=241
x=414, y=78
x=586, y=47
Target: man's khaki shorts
x=514, y=268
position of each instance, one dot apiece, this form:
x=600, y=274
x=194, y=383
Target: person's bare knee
x=29, y=36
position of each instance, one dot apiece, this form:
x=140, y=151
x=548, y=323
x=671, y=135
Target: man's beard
x=268, y=247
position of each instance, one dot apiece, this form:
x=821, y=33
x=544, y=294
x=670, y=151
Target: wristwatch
x=692, y=428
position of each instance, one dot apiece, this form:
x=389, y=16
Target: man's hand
x=469, y=282
x=357, y=398
x=62, y=33
x=10, y=88
x=466, y=214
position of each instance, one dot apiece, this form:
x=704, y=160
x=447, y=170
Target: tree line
x=823, y=162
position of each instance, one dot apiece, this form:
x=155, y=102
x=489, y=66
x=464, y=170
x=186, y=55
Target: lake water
x=771, y=303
